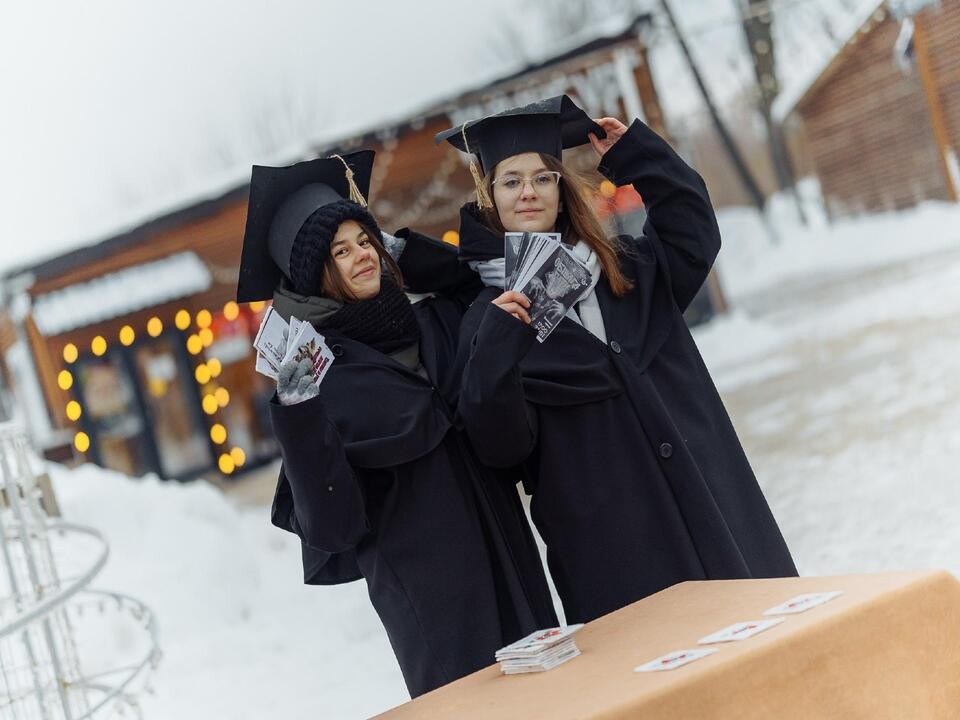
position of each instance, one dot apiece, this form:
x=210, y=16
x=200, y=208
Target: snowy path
x=849, y=409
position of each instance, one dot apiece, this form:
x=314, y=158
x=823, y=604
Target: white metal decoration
x=57, y=635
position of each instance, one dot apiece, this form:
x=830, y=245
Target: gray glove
x=295, y=382
x=393, y=245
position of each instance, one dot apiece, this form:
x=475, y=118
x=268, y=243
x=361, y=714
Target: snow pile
x=242, y=637
x=750, y=262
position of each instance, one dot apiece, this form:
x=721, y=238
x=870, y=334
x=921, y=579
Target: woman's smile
x=365, y=273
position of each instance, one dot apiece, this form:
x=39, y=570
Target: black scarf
x=385, y=322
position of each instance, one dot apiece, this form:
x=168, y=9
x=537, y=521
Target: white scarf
x=585, y=313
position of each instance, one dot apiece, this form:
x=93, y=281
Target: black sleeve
x=680, y=218
x=318, y=496
x=431, y=265
x=501, y=424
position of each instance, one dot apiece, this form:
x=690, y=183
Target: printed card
x=802, y=603
x=294, y=329
x=740, y=631
x=538, y=641
x=553, y=285
x=271, y=340
x=308, y=343
x=675, y=659
x=265, y=367
x=515, y=669
x=515, y=247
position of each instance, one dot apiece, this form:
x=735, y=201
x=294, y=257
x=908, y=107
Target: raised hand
x=614, y=129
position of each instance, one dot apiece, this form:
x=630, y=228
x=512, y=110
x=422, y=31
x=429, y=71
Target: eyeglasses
x=513, y=184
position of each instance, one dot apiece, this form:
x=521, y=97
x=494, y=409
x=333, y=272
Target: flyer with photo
x=515, y=245
x=551, y=277
x=278, y=343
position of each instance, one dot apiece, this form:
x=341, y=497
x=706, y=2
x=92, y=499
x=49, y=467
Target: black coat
x=379, y=484
x=638, y=478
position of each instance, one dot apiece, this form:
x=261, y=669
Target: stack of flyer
x=539, y=651
x=546, y=271
x=278, y=343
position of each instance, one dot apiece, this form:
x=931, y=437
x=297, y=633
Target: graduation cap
x=546, y=126
x=281, y=199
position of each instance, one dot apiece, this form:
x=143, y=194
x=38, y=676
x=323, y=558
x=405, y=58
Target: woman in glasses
x=637, y=475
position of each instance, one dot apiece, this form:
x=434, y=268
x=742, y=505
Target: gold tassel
x=483, y=198
x=355, y=193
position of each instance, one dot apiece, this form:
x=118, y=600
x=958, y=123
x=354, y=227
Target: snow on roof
x=607, y=29
x=120, y=292
x=787, y=100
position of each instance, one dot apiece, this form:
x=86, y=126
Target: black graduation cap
x=546, y=126
x=281, y=199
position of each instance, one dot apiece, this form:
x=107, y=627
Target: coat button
x=615, y=346
x=337, y=350
x=666, y=450
x=329, y=488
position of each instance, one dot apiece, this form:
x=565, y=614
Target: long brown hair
x=577, y=221
x=333, y=283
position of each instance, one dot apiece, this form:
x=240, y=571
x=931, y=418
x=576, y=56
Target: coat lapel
x=641, y=320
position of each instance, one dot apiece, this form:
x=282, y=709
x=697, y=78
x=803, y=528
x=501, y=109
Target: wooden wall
x=868, y=123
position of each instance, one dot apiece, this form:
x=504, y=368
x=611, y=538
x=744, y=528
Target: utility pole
x=739, y=164
x=757, y=21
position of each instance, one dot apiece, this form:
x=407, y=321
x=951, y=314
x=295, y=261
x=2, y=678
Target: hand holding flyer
x=547, y=273
x=278, y=344
x=307, y=343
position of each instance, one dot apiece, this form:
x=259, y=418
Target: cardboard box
x=888, y=647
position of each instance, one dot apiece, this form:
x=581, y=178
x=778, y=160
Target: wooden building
x=882, y=119
x=143, y=360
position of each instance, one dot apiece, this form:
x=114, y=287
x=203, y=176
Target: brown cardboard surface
x=889, y=647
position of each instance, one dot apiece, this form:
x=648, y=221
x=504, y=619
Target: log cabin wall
x=868, y=122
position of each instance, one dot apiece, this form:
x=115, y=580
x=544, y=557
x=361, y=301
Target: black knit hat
x=311, y=246
x=281, y=200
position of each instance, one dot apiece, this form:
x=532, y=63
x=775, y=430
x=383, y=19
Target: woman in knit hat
x=376, y=480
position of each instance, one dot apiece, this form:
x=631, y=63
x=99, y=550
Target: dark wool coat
x=638, y=477
x=378, y=484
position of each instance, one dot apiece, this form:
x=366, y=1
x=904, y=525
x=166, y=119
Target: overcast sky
x=116, y=110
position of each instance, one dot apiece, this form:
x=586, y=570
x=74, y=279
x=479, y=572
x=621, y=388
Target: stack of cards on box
x=545, y=270
x=539, y=651
x=278, y=343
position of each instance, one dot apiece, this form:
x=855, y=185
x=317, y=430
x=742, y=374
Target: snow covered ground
x=839, y=367
x=838, y=363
